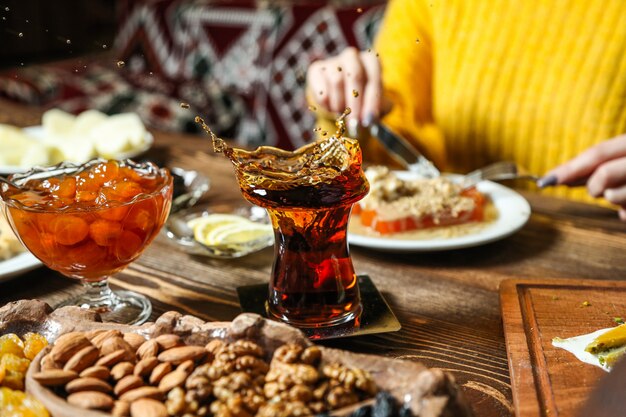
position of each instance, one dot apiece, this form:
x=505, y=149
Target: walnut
x=245, y=347
x=289, y=353
x=232, y=407
x=251, y=364
x=350, y=378
x=290, y=374
x=285, y=409
x=311, y=355
x=175, y=402
x=340, y=397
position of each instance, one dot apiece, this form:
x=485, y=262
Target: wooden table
x=447, y=302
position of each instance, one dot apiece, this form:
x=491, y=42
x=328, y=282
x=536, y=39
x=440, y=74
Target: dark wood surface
x=548, y=381
x=447, y=302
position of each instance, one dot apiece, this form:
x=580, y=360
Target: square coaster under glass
x=376, y=317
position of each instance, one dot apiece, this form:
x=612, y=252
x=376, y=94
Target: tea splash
x=308, y=194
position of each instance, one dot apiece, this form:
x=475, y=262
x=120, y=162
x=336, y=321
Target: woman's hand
x=602, y=167
x=351, y=79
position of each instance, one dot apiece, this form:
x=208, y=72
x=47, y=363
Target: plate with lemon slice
x=221, y=231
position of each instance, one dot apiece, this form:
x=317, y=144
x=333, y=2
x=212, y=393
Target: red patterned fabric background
x=239, y=64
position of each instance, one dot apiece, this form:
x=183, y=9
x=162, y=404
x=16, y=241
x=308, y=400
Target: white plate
x=513, y=213
x=18, y=264
x=37, y=133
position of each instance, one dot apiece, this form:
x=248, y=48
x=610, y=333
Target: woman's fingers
x=587, y=162
x=609, y=180
x=354, y=81
x=372, y=92
x=622, y=214
x=316, y=83
x=333, y=73
x=351, y=79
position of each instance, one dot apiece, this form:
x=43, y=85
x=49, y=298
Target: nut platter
x=182, y=366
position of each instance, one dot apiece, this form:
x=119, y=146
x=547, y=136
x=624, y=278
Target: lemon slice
x=227, y=229
x=239, y=234
x=213, y=220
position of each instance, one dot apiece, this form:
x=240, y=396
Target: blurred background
x=240, y=64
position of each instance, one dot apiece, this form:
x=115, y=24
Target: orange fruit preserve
x=92, y=221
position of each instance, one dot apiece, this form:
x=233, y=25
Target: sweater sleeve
x=405, y=49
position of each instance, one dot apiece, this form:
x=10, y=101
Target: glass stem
x=98, y=294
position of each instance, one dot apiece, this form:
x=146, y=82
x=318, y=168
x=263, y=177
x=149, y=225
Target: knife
x=404, y=152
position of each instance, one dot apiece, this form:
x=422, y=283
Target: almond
x=186, y=367
x=54, y=377
x=122, y=369
x=178, y=355
x=92, y=400
x=116, y=343
x=100, y=372
x=112, y=358
x=99, y=339
x=172, y=380
x=127, y=383
x=82, y=359
x=145, y=366
x=67, y=345
x=93, y=333
x=159, y=372
x=146, y=407
x=168, y=341
x=134, y=340
x=87, y=384
x=48, y=363
x=148, y=349
x=121, y=409
x=142, y=392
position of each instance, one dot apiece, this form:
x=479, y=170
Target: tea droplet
x=369, y=49
x=417, y=41
x=341, y=123
x=104, y=46
x=355, y=93
x=27, y=21
x=21, y=35
x=184, y=105
x=339, y=69
x=4, y=18
x=120, y=64
x=6, y=9
x=312, y=108
x=324, y=133
x=21, y=63
x=321, y=93
x=69, y=42
x=359, y=10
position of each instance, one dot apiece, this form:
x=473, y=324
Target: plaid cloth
x=239, y=64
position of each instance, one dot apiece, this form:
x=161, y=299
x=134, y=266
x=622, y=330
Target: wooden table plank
x=447, y=302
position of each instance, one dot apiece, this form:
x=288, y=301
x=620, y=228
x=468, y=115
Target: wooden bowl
x=428, y=392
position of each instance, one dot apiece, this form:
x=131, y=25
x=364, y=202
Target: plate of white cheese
x=65, y=137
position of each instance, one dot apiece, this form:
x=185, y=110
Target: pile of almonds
x=127, y=375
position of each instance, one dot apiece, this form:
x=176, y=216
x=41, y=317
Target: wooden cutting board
x=546, y=381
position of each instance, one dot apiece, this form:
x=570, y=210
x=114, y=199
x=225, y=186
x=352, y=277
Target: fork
x=498, y=171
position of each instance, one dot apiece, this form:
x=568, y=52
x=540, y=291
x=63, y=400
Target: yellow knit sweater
x=477, y=81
